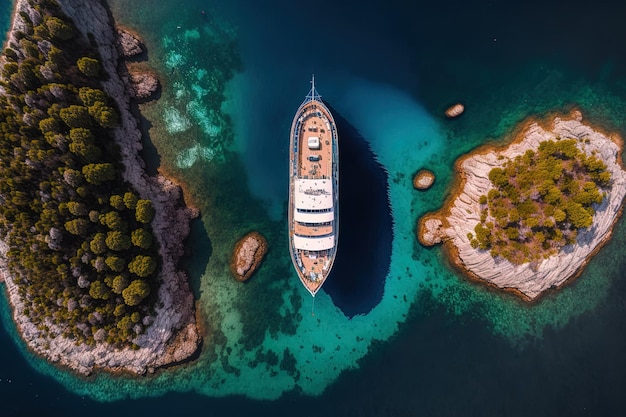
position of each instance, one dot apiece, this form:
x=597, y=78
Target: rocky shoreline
x=173, y=335
x=461, y=212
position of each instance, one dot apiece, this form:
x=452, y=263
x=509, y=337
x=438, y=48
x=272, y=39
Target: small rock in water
x=455, y=110
x=423, y=179
x=247, y=256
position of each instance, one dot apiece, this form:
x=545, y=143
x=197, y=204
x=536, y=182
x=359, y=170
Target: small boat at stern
x=313, y=191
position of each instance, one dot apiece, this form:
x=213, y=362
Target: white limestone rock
x=529, y=279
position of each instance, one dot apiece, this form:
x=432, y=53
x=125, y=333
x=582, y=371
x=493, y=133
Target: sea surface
x=396, y=331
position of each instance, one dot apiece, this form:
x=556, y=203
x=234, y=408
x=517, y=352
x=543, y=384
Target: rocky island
x=247, y=256
x=423, y=180
x=90, y=243
x=528, y=217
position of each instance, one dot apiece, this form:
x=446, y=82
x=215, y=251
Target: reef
x=247, y=256
x=455, y=223
x=171, y=335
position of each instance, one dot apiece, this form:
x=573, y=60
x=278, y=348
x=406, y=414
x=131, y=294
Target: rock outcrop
x=247, y=256
x=423, y=180
x=172, y=334
x=129, y=43
x=143, y=84
x=431, y=231
x=461, y=213
x=455, y=110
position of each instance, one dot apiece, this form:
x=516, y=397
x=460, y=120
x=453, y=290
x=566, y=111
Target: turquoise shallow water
x=232, y=78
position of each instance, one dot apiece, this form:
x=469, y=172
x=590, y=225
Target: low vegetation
x=81, y=248
x=539, y=202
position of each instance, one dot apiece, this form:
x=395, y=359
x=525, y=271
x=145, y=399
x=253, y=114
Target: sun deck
x=313, y=192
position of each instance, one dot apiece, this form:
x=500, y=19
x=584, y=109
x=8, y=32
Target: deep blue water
x=365, y=215
x=388, y=69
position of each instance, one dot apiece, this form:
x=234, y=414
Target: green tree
x=114, y=221
x=144, y=211
x=99, y=291
x=120, y=309
x=125, y=323
x=77, y=226
x=50, y=125
x=141, y=238
x=85, y=148
x=115, y=263
x=577, y=214
x=104, y=115
x=117, y=202
x=26, y=77
x=75, y=116
x=10, y=54
x=56, y=57
x=98, y=244
x=130, y=200
x=119, y=283
x=136, y=292
x=96, y=174
x=117, y=241
x=9, y=69
x=142, y=265
x=90, y=96
x=58, y=28
x=77, y=208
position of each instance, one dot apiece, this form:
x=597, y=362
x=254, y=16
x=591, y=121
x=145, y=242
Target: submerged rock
x=247, y=256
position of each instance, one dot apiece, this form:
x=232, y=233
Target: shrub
x=58, y=28
x=89, y=66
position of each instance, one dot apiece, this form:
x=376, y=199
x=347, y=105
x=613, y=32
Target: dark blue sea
x=396, y=331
